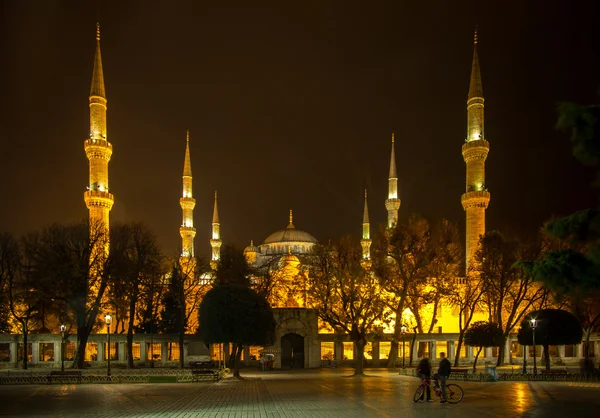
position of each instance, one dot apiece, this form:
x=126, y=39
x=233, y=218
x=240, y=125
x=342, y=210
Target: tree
x=554, y=327
x=68, y=263
x=236, y=314
x=135, y=258
x=510, y=290
x=402, y=258
x=483, y=334
x=345, y=295
x=573, y=270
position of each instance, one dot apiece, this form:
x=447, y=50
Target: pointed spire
x=366, y=210
x=187, y=163
x=215, y=219
x=475, y=86
x=252, y=243
x=291, y=224
x=393, y=174
x=97, y=88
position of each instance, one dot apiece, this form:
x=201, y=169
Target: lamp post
x=533, y=324
x=62, y=347
x=403, y=329
x=108, y=320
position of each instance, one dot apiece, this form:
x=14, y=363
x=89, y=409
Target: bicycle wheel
x=454, y=393
x=418, y=394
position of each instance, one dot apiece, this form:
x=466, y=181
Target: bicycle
x=454, y=393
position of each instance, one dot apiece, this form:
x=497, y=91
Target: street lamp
x=403, y=329
x=108, y=320
x=62, y=347
x=533, y=325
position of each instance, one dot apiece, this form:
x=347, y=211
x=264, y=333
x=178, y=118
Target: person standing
x=424, y=372
x=443, y=373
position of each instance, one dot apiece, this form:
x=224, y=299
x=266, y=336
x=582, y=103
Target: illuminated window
x=348, y=351
x=91, y=352
x=516, y=349
x=135, y=351
x=114, y=352
x=441, y=347
x=70, y=349
x=384, y=349
x=46, y=352
x=423, y=350
x=153, y=351
x=20, y=352
x=4, y=352
x=173, y=351
x=216, y=352
x=255, y=352
x=369, y=351
x=327, y=350
x=495, y=351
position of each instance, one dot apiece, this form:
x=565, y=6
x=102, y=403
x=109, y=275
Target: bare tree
x=346, y=296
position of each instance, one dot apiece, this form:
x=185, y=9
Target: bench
x=198, y=374
x=554, y=373
x=458, y=372
x=66, y=374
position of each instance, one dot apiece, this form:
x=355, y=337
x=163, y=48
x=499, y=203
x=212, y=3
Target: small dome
x=251, y=248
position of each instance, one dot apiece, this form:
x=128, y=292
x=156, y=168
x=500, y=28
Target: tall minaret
x=392, y=203
x=97, y=148
x=215, y=241
x=475, y=150
x=187, y=203
x=365, y=242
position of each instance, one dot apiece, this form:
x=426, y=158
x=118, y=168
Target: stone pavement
x=299, y=393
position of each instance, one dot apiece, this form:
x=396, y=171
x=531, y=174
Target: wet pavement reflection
x=300, y=393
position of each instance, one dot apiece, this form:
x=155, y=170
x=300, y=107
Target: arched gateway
x=292, y=351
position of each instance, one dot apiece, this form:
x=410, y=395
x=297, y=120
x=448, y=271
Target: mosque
x=299, y=341
x=298, y=330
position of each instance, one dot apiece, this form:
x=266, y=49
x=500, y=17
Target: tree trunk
x=238, y=354
x=181, y=342
x=461, y=336
x=130, y=333
x=393, y=357
x=476, y=357
x=25, y=351
x=359, y=347
x=501, y=352
x=412, y=347
x=546, y=356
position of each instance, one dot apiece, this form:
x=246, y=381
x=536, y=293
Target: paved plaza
x=301, y=393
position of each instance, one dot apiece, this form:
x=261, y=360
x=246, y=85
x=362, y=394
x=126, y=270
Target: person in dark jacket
x=424, y=372
x=442, y=374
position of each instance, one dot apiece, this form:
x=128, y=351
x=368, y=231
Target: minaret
x=187, y=203
x=392, y=203
x=475, y=150
x=215, y=241
x=97, y=148
x=365, y=242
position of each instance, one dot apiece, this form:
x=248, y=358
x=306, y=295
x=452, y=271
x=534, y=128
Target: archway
x=292, y=351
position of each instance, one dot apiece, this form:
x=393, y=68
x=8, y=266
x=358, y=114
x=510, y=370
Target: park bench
x=554, y=374
x=65, y=374
x=458, y=372
x=198, y=374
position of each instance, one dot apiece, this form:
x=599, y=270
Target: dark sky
x=291, y=105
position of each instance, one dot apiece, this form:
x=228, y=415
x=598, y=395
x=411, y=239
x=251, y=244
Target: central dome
x=290, y=234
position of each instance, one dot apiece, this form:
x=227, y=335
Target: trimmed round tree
x=554, y=327
x=238, y=315
x=483, y=334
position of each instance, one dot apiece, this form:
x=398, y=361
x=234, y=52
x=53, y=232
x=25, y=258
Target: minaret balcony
x=98, y=198
x=98, y=148
x=475, y=199
x=187, y=203
x=187, y=229
x=477, y=149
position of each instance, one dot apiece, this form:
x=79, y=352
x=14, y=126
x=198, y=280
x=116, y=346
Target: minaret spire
x=365, y=242
x=291, y=224
x=475, y=150
x=215, y=241
x=98, y=150
x=187, y=203
x=392, y=203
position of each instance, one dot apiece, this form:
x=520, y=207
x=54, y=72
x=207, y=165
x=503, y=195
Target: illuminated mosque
x=297, y=326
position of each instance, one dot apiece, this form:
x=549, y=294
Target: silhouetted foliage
x=553, y=327
x=483, y=334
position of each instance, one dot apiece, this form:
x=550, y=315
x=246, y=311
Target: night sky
x=290, y=105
